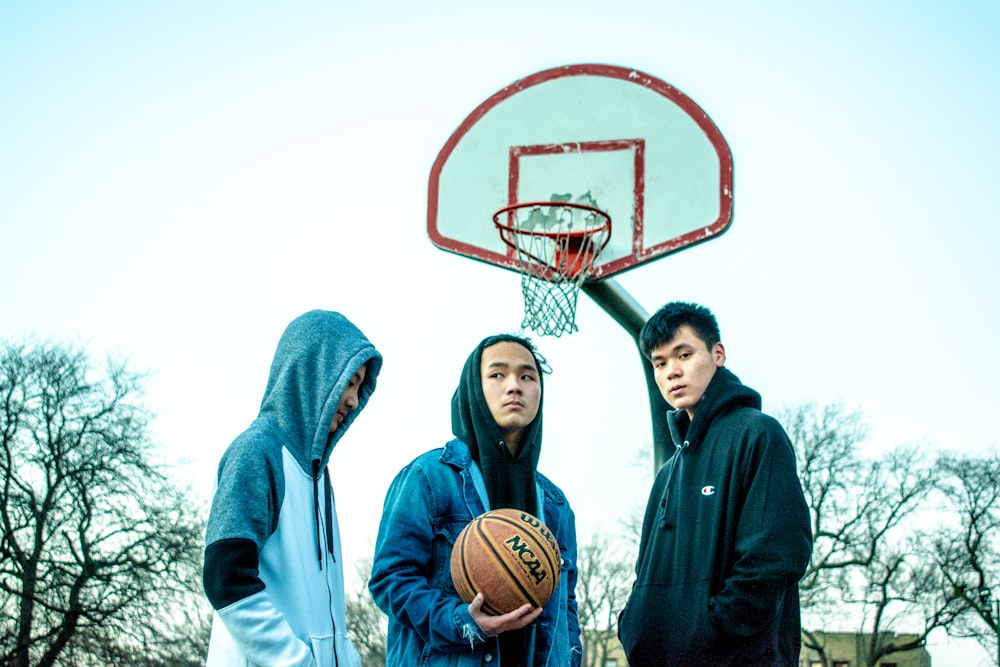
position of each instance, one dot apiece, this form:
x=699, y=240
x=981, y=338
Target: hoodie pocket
x=347, y=654
x=669, y=624
x=323, y=650
x=337, y=650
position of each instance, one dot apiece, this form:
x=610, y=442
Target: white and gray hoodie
x=273, y=569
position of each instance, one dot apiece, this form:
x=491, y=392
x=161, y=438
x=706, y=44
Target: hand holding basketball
x=494, y=625
x=510, y=557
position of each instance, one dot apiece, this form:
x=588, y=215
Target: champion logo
x=708, y=490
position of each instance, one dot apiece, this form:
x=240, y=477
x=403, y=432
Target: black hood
x=510, y=480
x=725, y=392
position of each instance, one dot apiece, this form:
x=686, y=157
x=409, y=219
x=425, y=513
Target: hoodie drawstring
x=675, y=463
x=315, y=479
x=328, y=506
x=329, y=514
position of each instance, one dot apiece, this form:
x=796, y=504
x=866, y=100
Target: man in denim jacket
x=496, y=416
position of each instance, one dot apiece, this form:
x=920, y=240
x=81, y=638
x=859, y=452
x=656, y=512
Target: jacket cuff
x=468, y=629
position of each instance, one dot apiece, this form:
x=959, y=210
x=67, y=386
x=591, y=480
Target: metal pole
x=618, y=303
x=625, y=310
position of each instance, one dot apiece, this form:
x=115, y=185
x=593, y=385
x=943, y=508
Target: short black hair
x=664, y=324
x=543, y=365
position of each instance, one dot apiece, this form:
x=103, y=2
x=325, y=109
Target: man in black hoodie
x=491, y=463
x=727, y=533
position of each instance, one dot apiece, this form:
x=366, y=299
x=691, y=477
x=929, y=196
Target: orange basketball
x=510, y=557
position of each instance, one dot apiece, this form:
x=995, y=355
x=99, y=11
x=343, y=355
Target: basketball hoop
x=557, y=244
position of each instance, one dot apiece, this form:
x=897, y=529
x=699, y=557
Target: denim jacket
x=426, y=507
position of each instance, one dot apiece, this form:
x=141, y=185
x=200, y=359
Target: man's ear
x=719, y=352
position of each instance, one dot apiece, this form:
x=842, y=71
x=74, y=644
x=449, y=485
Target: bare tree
x=826, y=441
x=867, y=571
x=966, y=549
x=101, y=553
x=366, y=624
x=605, y=571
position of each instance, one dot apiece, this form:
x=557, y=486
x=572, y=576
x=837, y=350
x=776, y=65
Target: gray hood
x=317, y=356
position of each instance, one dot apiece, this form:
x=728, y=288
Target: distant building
x=843, y=649
x=602, y=649
x=846, y=649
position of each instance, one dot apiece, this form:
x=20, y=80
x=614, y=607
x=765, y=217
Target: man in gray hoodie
x=273, y=567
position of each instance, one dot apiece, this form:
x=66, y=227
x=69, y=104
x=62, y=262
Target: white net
x=557, y=244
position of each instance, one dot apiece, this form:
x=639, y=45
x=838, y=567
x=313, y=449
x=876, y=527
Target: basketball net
x=556, y=245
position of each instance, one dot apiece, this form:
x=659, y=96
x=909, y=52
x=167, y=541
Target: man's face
x=684, y=366
x=512, y=387
x=349, y=399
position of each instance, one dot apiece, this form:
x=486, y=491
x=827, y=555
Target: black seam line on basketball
x=545, y=552
x=490, y=609
x=487, y=607
x=526, y=594
x=464, y=571
x=512, y=575
x=554, y=567
x=517, y=523
x=457, y=565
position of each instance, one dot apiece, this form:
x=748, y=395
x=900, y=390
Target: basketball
x=510, y=557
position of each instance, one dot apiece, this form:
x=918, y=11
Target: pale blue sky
x=179, y=180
